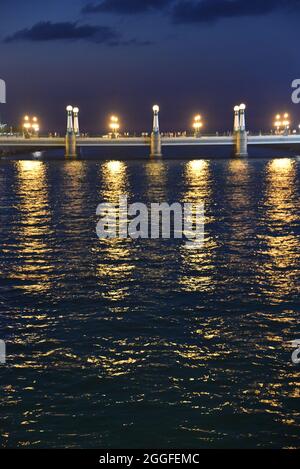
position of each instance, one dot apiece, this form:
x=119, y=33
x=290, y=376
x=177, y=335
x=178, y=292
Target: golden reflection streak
x=114, y=366
x=74, y=177
x=115, y=267
x=115, y=181
x=73, y=201
x=281, y=210
x=156, y=176
x=197, y=265
x=238, y=201
x=34, y=265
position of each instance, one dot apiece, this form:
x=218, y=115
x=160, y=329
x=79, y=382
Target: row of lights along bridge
x=31, y=126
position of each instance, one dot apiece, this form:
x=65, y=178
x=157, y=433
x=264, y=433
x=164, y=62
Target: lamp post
x=286, y=123
x=76, y=121
x=30, y=126
x=236, y=125
x=70, y=127
x=277, y=123
x=26, y=126
x=114, y=126
x=242, y=117
x=35, y=125
x=155, y=135
x=282, y=123
x=197, y=124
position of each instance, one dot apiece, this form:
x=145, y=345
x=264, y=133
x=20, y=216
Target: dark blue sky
x=123, y=55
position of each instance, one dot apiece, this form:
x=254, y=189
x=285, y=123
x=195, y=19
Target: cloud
x=204, y=11
x=127, y=7
x=132, y=42
x=193, y=11
x=47, y=31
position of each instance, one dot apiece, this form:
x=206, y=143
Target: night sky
x=123, y=56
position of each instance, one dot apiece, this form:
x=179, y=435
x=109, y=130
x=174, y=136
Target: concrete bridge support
x=71, y=145
x=70, y=141
x=155, y=136
x=241, y=148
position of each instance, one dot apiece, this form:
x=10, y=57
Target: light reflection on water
x=121, y=343
x=115, y=268
x=197, y=265
x=281, y=239
x=33, y=228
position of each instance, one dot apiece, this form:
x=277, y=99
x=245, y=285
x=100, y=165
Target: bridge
x=239, y=140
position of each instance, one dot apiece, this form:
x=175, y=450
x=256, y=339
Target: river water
x=143, y=343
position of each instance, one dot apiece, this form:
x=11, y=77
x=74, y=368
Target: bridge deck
x=145, y=141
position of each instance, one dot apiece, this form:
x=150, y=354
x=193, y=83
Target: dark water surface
x=130, y=344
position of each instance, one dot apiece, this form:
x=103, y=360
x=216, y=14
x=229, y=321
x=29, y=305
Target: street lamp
x=30, y=124
x=35, y=125
x=278, y=123
x=282, y=123
x=114, y=125
x=76, y=120
x=26, y=125
x=286, y=123
x=197, y=124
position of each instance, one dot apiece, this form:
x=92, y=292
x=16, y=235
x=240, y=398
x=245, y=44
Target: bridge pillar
x=243, y=117
x=155, y=136
x=241, y=148
x=236, y=125
x=76, y=121
x=241, y=136
x=70, y=127
x=71, y=147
